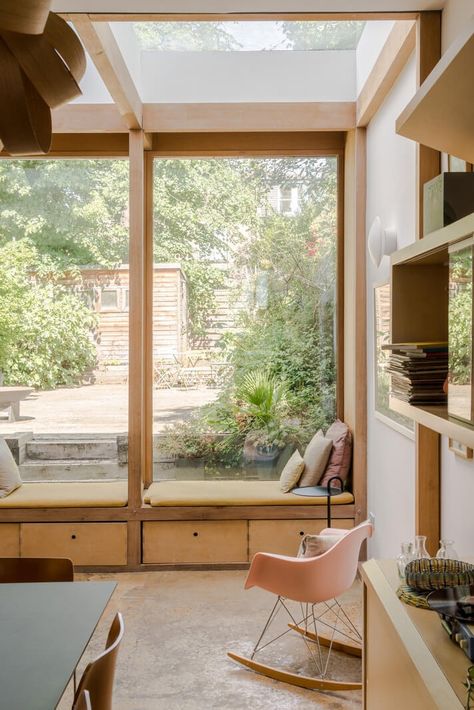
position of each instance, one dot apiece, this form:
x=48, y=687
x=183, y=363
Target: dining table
x=44, y=630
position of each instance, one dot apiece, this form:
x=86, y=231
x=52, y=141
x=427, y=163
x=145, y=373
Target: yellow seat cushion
x=179, y=493
x=68, y=494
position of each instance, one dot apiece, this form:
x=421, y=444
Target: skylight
x=247, y=36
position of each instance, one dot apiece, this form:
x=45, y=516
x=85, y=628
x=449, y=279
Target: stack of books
x=418, y=371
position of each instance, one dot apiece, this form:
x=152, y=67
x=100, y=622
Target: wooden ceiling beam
x=400, y=44
x=101, y=45
x=256, y=116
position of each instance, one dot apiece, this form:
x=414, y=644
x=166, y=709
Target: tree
x=44, y=328
x=188, y=36
x=323, y=35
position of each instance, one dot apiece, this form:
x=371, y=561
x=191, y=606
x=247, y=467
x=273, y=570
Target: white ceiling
x=225, y=6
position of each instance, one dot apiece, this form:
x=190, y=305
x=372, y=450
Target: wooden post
x=148, y=323
x=427, y=442
x=136, y=388
x=355, y=317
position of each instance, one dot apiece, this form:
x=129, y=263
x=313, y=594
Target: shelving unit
x=420, y=313
x=441, y=114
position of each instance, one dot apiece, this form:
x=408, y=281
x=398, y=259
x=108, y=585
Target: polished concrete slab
x=179, y=626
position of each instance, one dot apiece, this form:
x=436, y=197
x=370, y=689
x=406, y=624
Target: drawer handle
x=73, y=537
x=301, y=532
x=195, y=534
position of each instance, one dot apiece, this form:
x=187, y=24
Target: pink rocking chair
x=311, y=581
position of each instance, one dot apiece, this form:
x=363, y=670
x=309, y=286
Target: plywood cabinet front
x=283, y=537
x=188, y=542
x=83, y=543
x=9, y=540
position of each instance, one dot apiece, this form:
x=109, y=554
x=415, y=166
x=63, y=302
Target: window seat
x=68, y=494
x=231, y=493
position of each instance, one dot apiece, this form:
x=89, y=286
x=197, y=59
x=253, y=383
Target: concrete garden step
x=75, y=449
x=67, y=470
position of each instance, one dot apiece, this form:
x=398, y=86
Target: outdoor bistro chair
x=98, y=677
x=314, y=582
x=35, y=569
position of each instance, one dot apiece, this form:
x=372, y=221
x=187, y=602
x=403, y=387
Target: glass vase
x=404, y=558
x=420, y=552
x=447, y=551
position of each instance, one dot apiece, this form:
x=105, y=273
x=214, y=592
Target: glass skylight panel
x=247, y=36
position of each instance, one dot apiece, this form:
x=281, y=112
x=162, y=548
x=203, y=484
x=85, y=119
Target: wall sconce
x=381, y=242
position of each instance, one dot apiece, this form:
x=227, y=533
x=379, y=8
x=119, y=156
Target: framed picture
x=382, y=335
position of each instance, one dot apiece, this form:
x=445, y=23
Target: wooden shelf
x=437, y=419
x=433, y=248
x=441, y=114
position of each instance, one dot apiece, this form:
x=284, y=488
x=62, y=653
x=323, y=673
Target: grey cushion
x=315, y=459
x=292, y=472
x=9, y=474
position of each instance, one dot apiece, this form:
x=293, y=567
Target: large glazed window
x=64, y=283
x=244, y=312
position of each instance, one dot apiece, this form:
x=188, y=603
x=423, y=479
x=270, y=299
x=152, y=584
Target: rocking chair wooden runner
x=311, y=581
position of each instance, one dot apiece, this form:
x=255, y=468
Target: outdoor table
x=44, y=630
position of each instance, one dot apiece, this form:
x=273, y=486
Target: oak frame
x=113, y=142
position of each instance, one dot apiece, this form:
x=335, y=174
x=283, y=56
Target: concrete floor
x=179, y=626
x=100, y=409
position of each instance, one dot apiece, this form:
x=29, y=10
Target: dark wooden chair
x=35, y=569
x=98, y=677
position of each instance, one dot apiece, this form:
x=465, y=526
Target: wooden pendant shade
x=39, y=70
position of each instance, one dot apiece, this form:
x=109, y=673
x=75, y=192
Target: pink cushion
x=340, y=460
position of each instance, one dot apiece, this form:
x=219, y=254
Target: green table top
x=44, y=629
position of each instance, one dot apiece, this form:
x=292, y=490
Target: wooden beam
x=258, y=116
x=136, y=413
x=148, y=324
x=248, y=143
x=428, y=486
x=427, y=442
x=355, y=318
x=246, y=16
x=394, y=55
x=428, y=53
x=88, y=118
x=102, y=47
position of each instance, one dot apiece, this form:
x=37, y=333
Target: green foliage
x=323, y=35
x=44, y=328
x=261, y=398
x=73, y=211
x=187, y=36
x=460, y=334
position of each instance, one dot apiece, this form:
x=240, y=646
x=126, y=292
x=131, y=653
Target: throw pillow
x=340, y=459
x=9, y=474
x=292, y=472
x=315, y=459
x=314, y=545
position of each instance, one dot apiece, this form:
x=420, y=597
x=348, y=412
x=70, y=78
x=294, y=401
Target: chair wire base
x=311, y=616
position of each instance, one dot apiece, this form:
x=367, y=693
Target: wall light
x=381, y=242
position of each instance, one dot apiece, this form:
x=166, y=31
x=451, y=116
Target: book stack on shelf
x=418, y=372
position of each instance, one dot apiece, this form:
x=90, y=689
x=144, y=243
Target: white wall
x=369, y=47
x=215, y=77
x=391, y=191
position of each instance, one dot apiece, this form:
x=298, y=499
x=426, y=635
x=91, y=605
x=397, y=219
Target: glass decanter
x=447, y=551
x=420, y=552
x=404, y=558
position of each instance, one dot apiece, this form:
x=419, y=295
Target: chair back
x=35, y=569
x=311, y=579
x=98, y=677
x=83, y=701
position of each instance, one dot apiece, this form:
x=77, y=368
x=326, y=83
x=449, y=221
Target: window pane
x=63, y=260
x=244, y=313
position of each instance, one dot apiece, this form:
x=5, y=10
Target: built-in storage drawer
x=83, y=543
x=195, y=542
x=283, y=537
x=9, y=539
